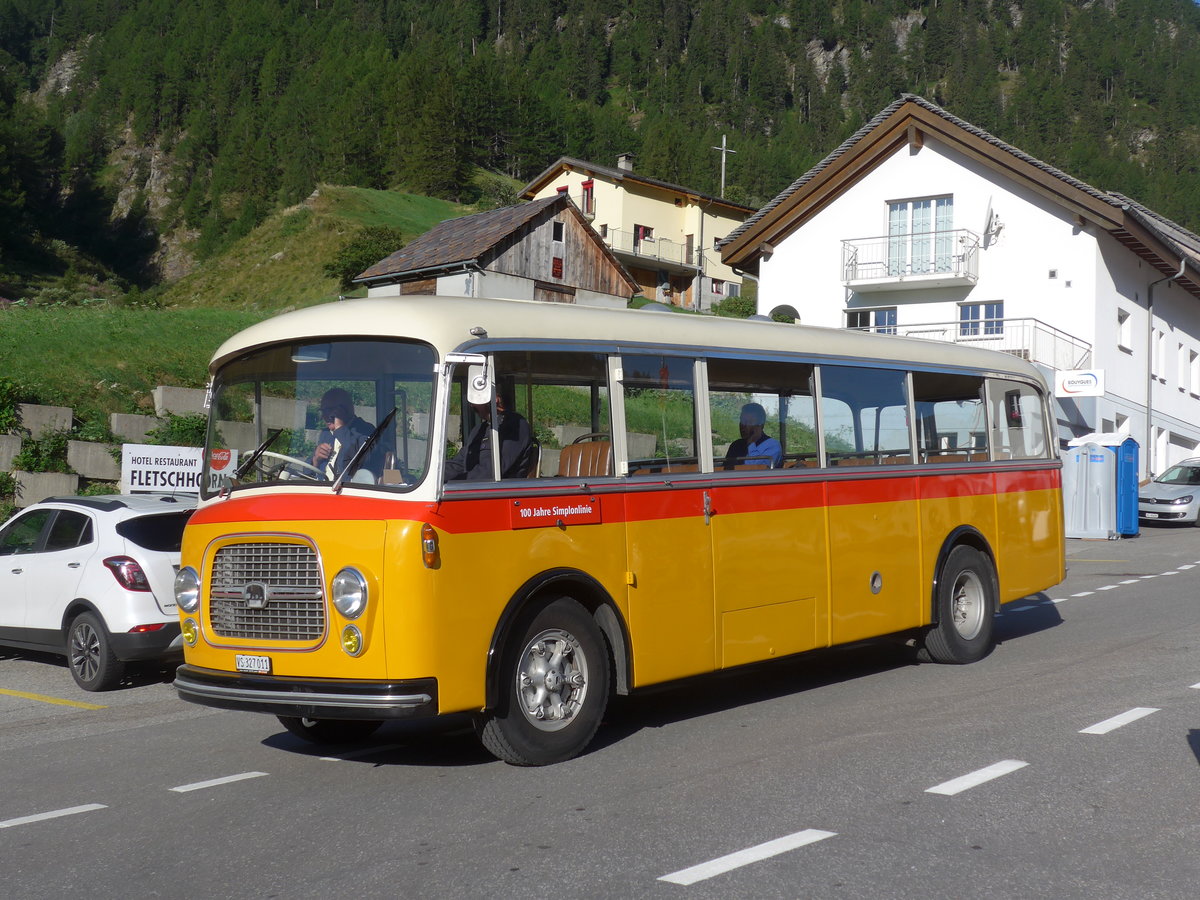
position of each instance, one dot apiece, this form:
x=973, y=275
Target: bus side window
x=864, y=416
x=1019, y=428
x=951, y=420
x=660, y=414
x=563, y=395
x=742, y=392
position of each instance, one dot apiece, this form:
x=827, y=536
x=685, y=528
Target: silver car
x=1174, y=496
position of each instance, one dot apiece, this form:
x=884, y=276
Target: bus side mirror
x=479, y=385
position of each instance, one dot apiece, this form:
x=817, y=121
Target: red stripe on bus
x=296, y=507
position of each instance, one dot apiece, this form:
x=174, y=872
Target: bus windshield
x=353, y=410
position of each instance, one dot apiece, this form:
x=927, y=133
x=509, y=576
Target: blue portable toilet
x=1127, y=487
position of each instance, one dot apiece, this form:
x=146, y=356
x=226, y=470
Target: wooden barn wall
x=530, y=251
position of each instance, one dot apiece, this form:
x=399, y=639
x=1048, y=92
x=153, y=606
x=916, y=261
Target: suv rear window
x=161, y=533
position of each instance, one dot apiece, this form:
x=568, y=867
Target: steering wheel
x=284, y=466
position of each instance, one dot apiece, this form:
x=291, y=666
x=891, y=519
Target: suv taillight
x=128, y=573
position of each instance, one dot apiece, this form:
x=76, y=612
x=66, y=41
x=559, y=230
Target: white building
x=664, y=234
x=922, y=224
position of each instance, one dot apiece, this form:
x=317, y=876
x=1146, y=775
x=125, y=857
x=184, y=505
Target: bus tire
x=966, y=603
x=330, y=731
x=555, y=677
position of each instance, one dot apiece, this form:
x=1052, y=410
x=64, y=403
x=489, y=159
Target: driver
x=343, y=434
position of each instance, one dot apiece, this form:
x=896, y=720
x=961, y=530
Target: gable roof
x=1164, y=244
x=570, y=164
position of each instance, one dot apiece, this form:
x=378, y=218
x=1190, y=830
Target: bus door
x=874, y=535
x=668, y=544
x=767, y=522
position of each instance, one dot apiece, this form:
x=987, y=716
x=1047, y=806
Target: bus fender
x=544, y=587
x=971, y=537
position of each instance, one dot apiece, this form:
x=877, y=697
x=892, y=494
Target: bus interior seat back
x=591, y=458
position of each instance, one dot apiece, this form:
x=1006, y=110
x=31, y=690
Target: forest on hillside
x=125, y=120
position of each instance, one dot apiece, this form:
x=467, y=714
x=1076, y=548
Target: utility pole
x=724, y=151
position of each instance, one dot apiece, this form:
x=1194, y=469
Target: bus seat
x=585, y=459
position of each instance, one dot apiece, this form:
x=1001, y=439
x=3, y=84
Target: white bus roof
x=448, y=323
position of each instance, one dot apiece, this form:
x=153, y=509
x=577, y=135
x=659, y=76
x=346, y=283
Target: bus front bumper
x=310, y=698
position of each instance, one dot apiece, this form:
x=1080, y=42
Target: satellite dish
x=991, y=224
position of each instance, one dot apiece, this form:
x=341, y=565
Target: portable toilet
x=1089, y=477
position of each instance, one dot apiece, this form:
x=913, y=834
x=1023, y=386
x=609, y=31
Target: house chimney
x=625, y=162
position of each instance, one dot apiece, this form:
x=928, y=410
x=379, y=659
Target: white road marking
x=1138, y=712
x=355, y=754
x=1148, y=576
x=744, y=857
x=1197, y=686
x=1131, y=581
x=1185, y=568
x=1083, y=594
x=1022, y=608
x=1108, y=587
x=1060, y=600
x=1172, y=572
x=41, y=817
x=228, y=779
x=974, y=779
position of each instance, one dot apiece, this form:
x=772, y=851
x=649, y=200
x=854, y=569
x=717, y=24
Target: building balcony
x=930, y=260
x=656, y=253
x=1029, y=339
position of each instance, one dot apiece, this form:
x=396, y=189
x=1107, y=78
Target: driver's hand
x=322, y=452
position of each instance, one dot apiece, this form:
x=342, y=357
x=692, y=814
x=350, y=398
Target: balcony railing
x=930, y=259
x=657, y=249
x=1027, y=338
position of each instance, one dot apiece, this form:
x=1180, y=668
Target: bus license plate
x=259, y=665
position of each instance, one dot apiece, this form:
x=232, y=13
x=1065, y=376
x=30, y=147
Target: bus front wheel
x=555, y=686
x=966, y=602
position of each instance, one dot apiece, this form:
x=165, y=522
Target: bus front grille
x=267, y=591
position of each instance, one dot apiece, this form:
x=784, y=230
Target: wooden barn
x=543, y=250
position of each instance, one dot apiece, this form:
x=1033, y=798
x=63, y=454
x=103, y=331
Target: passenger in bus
x=517, y=455
x=343, y=434
x=754, y=448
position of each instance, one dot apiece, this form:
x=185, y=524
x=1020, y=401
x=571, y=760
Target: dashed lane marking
x=216, y=782
x=1138, y=712
x=1083, y=594
x=59, y=701
x=53, y=814
x=744, y=857
x=976, y=778
x=355, y=754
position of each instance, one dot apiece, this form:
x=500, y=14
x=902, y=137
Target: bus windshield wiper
x=253, y=457
x=363, y=450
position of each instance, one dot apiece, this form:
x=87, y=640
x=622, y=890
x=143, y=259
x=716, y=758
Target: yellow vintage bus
x=675, y=495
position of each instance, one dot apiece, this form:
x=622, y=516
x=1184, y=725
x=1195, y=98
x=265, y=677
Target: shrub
x=179, y=431
x=10, y=413
x=736, y=307
x=46, y=454
x=367, y=247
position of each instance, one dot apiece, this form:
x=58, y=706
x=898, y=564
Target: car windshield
x=300, y=413
x=1180, y=474
x=161, y=533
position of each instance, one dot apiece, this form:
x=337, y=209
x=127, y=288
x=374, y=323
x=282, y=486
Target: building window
x=556, y=267
x=589, y=197
x=975, y=319
x=558, y=232
x=881, y=321
x=1124, y=331
x=718, y=287
x=920, y=239
x=1194, y=373
x=641, y=233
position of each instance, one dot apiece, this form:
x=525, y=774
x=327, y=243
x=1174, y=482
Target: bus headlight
x=187, y=589
x=350, y=593
x=352, y=640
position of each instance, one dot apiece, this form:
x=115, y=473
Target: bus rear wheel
x=555, y=686
x=330, y=731
x=966, y=602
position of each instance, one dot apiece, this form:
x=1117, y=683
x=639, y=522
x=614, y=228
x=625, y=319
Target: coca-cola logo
x=219, y=459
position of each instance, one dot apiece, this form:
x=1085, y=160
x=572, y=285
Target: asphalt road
x=1065, y=765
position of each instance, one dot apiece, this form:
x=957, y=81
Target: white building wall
x=1043, y=264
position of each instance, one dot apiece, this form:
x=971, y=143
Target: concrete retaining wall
x=37, y=486
x=41, y=420
x=93, y=460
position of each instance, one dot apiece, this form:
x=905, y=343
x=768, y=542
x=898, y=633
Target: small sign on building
x=149, y=467
x=1079, y=383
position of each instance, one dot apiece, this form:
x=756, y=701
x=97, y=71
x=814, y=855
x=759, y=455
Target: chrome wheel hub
x=551, y=679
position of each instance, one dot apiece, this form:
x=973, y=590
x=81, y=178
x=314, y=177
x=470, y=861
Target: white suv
x=93, y=577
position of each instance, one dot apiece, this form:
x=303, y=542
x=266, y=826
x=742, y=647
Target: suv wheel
x=94, y=666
